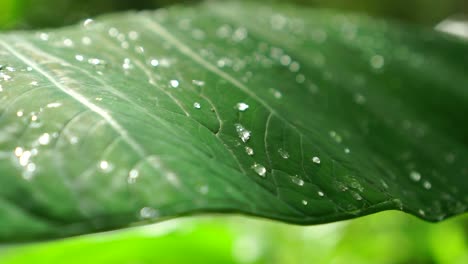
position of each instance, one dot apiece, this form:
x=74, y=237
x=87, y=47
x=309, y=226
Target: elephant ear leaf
x=282, y=112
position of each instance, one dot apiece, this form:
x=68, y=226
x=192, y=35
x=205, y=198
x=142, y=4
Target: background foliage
x=387, y=237
x=53, y=13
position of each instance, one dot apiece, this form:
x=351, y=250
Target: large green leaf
x=293, y=114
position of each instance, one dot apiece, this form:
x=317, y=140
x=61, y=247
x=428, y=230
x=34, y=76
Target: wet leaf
x=288, y=113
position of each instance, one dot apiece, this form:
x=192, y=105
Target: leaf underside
x=305, y=116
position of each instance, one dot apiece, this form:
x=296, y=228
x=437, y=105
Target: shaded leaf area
x=371, y=239
x=293, y=114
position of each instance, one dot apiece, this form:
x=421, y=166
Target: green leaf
x=289, y=113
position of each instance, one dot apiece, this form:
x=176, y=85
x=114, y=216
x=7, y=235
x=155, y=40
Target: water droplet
x=86, y=41
x=18, y=151
x=242, y=106
x=132, y=176
x=304, y=202
x=249, y=151
x=297, y=180
x=294, y=66
x=147, y=212
x=24, y=158
x=284, y=154
x=88, y=23
x=95, y=61
x=316, y=160
x=20, y=113
x=377, y=61
x=259, y=169
x=198, y=83
x=31, y=167
x=28, y=174
x=174, y=83
x=139, y=49
x=105, y=166
x=239, y=34
x=415, y=176
x=197, y=105
x=68, y=42
x=421, y=212
x=113, y=32
x=300, y=78
x=74, y=140
x=243, y=133
x=154, y=62
x=285, y=60
x=320, y=193
x=44, y=139
x=35, y=122
x=54, y=105
x=5, y=77
x=335, y=136
x=347, y=150
x=356, y=196
x=133, y=35
x=79, y=57
x=127, y=64
x=224, y=31
x=427, y=185
x=44, y=36
x=277, y=94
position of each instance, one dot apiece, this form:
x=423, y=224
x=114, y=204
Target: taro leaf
x=287, y=113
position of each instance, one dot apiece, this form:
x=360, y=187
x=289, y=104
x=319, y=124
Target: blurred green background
x=387, y=237
x=25, y=14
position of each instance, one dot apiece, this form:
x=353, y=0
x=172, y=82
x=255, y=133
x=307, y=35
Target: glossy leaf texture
x=305, y=116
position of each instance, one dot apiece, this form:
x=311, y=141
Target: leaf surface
x=305, y=116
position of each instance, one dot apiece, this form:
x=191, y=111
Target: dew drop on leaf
x=88, y=23
x=197, y=105
x=297, y=180
x=132, y=176
x=316, y=160
x=377, y=61
x=249, y=151
x=427, y=185
x=259, y=169
x=242, y=106
x=105, y=166
x=243, y=133
x=147, y=212
x=154, y=62
x=415, y=176
x=198, y=82
x=174, y=83
x=284, y=154
x=44, y=139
